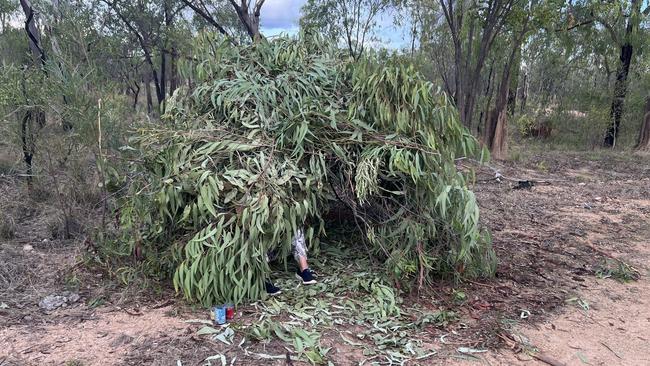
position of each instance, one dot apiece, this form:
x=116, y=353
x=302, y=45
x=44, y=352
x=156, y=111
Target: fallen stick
x=547, y=360
x=614, y=352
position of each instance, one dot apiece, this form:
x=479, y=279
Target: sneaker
x=306, y=276
x=272, y=289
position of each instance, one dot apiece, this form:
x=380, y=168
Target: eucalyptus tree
x=150, y=23
x=473, y=27
x=626, y=40
x=350, y=21
x=219, y=14
x=33, y=117
x=7, y=9
x=525, y=19
x=613, y=35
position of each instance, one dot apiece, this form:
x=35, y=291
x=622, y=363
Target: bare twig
x=547, y=360
x=614, y=352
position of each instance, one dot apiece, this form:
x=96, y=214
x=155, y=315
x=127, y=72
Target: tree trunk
x=495, y=132
x=34, y=35
x=489, y=91
x=496, y=127
x=136, y=94
x=620, y=91
x=147, y=90
x=173, y=73
x=162, y=90
x=250, y=20
x=34, y=117
x=514, y=83
x=644, y=136
x=622, y=71
x=524, y=93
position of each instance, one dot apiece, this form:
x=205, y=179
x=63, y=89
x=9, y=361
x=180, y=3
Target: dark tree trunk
x=173, y=73
x=644, y=135
x=34, y=35
x=495, y=132
x=250, y=20
x=34, y=117
x=514, y=83
x=147, y=90
x=489, y=90
x=622, y=72
x=620, y=91
x=161, y=91
x=524, y=93
x=136, y=94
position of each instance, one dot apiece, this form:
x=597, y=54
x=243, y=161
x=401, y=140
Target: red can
x=230, y=311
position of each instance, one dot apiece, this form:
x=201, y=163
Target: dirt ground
x=555, y=299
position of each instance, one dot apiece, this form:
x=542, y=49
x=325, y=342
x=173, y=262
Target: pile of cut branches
x=269, y=136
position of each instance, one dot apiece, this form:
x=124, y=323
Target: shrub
x=272, y=134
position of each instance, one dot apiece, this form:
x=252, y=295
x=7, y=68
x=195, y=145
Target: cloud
x=281, y=14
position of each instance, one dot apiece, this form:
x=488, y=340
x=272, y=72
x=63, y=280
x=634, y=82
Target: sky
x=282, y=16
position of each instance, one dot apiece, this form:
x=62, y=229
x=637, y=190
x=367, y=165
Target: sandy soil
x=547, y=299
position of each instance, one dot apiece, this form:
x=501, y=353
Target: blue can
x=219, y=314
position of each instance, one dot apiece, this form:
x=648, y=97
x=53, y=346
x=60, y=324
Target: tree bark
x=513, y=86
x=34, y=117
x=622, y=72
x=136, y=93
x=34, y=35
x=250, y=20
x=489, y=91
x=173, y=77
x=524, y=93
x=162, y=90
x=644, y=135
x=147, y=90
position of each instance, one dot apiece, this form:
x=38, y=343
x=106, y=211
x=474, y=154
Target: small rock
x=28, y=248
x=598, y=198
x=52, y=302
x=45, y=241
x=28, y=318
x=582, y=184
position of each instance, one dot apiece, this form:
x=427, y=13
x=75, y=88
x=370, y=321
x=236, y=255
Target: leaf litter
x=353, y=296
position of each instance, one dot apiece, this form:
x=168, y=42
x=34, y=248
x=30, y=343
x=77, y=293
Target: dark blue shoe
x=306, y=276
x=272, y=289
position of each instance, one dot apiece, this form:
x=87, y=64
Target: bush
x=269, y=137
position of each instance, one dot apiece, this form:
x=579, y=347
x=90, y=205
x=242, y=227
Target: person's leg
x=271, y=289
x=302, y=263
x=300, y=255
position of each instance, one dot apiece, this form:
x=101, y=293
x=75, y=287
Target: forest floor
x=558, y=297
